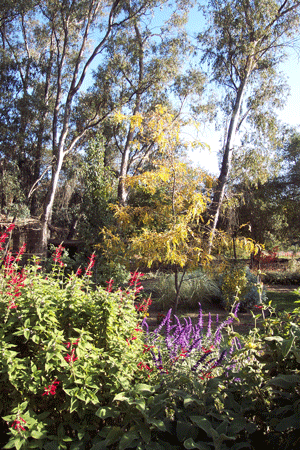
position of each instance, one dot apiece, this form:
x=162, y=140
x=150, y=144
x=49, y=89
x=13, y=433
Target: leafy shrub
x=237, y=282
x=66, y=350
x=77, y=371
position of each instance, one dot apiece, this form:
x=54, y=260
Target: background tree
x=143, y=66
x=52, y=47
x=267, y=210
x=243, y=46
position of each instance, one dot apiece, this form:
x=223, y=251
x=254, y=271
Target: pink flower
x=68, y=344
x=20, y=253
x=3, y=237
x=51, y=389
x=11, y=305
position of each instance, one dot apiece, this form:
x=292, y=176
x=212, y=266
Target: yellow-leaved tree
x=163, y=220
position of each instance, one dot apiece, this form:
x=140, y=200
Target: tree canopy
x=94, y=98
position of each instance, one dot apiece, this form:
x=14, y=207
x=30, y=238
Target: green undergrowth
x=80, y=370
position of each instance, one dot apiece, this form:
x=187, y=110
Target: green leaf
x=37, y=434
x=144, y=431
x=74, y=404
x=113, y=436
x=190, y=444
x=127, y=439
x=10, y=444
x=35, y=338
x=107, y=411
x=285, y=381
x=287, y=345
x=140, y=404
x=296, y=353
x=121, y=397
x=158, y=423
x=289, y=422
x=184, y=430
x=140, y=388
x=51, y=446
x=205, y=425
x=19, y=443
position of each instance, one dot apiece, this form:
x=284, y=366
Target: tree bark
x=214, y=210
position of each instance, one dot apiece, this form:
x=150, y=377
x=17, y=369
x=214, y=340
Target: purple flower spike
x=163, y=322
x=145, y=325
x=221, y=358
x=235, y=311
x=201, y=360
x=200, y=317
x=209, y=325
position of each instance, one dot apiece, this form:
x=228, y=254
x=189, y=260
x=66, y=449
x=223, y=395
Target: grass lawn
x=283, y=300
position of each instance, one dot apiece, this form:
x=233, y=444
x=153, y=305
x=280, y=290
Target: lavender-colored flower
x=209, y=325
x=145, y=325
x=200, y=317
x=181, y=340
x=235, y=311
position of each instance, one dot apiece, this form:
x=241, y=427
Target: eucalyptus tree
x=54, y=45
x=144, y=63
x=245, y=42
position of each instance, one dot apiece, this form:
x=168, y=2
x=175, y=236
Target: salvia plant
x=67, y=348
x=199, y=348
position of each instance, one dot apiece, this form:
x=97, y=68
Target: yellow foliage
x=168, y=229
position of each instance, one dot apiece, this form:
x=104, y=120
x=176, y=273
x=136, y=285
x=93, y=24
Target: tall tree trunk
x=214, y=210
x=122, y=191
x=48, y=208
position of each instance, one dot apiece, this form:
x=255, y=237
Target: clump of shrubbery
x=79, y=369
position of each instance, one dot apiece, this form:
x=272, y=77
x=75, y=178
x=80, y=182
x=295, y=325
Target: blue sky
x=290, y=114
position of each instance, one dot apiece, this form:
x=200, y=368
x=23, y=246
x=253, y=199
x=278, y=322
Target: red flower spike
x=51, y=389
x=71, y=357
x=12, y=305
x=20, y=253
x=17, y=424
x=147, y=348
x=110, y=285
x=91, y=264
x=10, y=228
x=57, y=255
